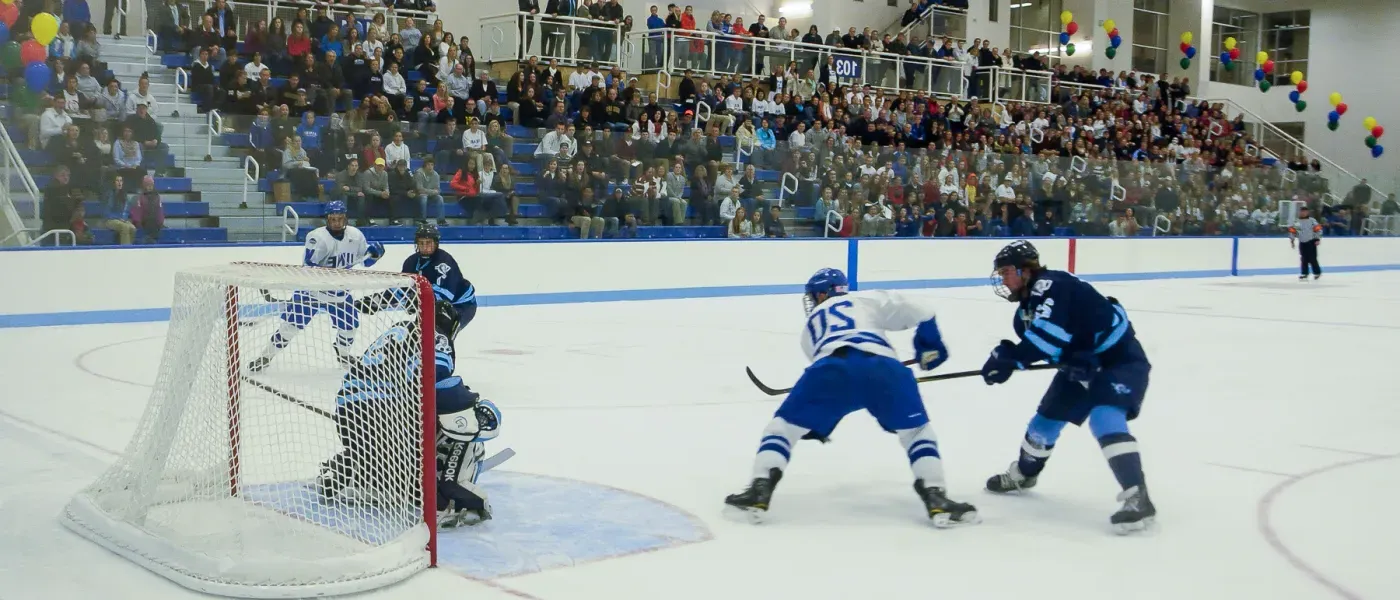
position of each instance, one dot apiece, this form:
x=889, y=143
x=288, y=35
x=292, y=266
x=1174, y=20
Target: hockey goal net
x=222, y=486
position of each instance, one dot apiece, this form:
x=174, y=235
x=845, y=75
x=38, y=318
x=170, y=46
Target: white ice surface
x=1255, y=381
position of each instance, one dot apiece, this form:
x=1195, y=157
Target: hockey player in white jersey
x=335, y=246
x=854, y=367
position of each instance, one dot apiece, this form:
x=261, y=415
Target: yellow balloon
x=44, y=27
x=1066, y=17
x=1335, y=98
x=1108, y=25
x=1262, y=57
x=7, y=1
x=1186, y=37
x=1230, y=43
x=1296, y=77
x=1369, y=123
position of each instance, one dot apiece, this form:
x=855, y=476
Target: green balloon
x=22, y=97
x=9, y=57
x=1370, y=141
x=1229, y=66
x=1333, y=125
x=1302, y=105
x=1111, y=52
x=1069, y=50
x=1185, y=63
x=1265, y=85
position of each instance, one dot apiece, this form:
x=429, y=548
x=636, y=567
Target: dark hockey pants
x=1307, y=251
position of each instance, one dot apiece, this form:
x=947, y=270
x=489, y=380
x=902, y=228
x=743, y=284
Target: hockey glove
x=376, y=252
x=1000, y=364
x=1081, y=367
x=928, y=345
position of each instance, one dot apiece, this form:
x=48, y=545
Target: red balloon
x=31, y=52
x=1378, y=131
x=1184, y=47
x=1072, y=28
x=1302, y=86
x=1235, y=54
x=9, y=13
x=1114, y=33
x=1342, y=108
x=1268, y=66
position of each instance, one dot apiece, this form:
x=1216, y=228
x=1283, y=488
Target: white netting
x=302, y=478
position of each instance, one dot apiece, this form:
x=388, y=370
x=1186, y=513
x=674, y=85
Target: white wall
x=1350, y=44
x=979, y=26
x=142, y=278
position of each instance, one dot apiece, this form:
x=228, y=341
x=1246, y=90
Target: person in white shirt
x=142, y=95
x=549, y=144
x=1005, y=192
x=394, y=84
x=397, y=150
x=54, y=120
x=474, y=141
x=254, y=67
x=581, y=79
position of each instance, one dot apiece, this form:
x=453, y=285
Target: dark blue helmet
x=1021, y=255
x=831, y=282
x=335, y=207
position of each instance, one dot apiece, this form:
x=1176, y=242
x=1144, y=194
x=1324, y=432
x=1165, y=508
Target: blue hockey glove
x=376, y=250
x=928, y=345
x=1000, y=365
x=1081, y=367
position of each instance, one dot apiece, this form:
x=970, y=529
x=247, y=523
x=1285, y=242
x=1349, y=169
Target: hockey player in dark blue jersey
x=1103, y=376
x=364, y=411
x=440, y=269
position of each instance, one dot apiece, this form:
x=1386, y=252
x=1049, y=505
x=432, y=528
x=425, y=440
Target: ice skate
x=1137, y=513
x=259, y=364
x=752, y=503
x=1010, y=481
x=452, y=517
x=329, y=483
x=1302, y=278
x=942, y=511
x=1317, y=276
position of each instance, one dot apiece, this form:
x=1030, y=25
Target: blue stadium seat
x=520, y=131
x=94, y=208
x=806, y=212
x=41, y=158
x=163, y=184
x=768, y=176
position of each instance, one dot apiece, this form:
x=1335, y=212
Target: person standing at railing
x=224, y=18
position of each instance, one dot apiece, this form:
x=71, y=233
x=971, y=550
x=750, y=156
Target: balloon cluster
x=1114, y=40
x=1071, y=28
x=1230, y=54
x=1296, y=96
x=28, y=57
x=1373, y=140
x=1339, y=108
x=1187, y=49
x=1265, y=68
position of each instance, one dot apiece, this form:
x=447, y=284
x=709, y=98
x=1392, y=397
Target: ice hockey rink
x=1268, y=435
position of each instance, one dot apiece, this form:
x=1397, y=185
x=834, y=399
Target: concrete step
x=126, y=49
x=228, y=188
x=132, y=68
x=202, y=175
x=253, y=224
x=227, y=199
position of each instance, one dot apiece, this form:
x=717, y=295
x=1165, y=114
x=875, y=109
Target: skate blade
x=752, y=516
x=946, y=520
x=1132, y=528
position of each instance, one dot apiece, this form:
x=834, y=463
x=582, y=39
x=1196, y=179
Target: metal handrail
x=122, y=8
x=1157, y=224
x=662, y=86
x=783, y=189
x=54, y=233
x=924, y=17
x=182, y=85
x=152, y=48
x=1330, y=199
x=829, y=227
x=290, y=214
x=249, y=161
x=15, y=164
x=740, y=151
x=702, y=112
x=216, y=128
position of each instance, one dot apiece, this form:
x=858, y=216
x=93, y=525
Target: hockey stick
x=960, y=374
x=496, y=459
x=288, y=397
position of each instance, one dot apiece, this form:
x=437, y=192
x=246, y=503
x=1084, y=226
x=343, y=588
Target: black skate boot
x=752, y=503
x=1137, y=512
x=1010, y=481
x=1317, y=276
x=1303, y=277
x=259, y=364
x=942, y=511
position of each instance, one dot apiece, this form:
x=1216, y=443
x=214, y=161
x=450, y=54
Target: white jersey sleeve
x=860, y=320
x=324, y=250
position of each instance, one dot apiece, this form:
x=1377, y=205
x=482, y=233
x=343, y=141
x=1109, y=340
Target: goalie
x=390, y=369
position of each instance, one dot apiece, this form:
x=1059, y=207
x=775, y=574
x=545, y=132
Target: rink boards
x=134, y=284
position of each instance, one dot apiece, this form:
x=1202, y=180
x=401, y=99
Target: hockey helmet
x=446, y=318
x=337, y=217
x=831, y=282
x=427, y=231
x=1019, y=254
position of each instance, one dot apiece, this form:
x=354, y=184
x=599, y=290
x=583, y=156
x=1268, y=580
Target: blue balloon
x=37, y=76
x=1258, y=74
x=1064, y=38
x=1334, y=116
x=1191, y=52
x=4, y=33
x=1294, y=96
x=1116, y=41
x=1377, y=150
x=1225, y=57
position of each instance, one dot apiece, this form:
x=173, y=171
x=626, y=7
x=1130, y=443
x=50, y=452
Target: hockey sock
x=921, y=445
x=1041, y=435
x=344, y=339
x=775, y=449
x=1110, y=425
x=283, y=336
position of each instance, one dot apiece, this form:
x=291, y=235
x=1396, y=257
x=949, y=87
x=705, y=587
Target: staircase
x=218, y=181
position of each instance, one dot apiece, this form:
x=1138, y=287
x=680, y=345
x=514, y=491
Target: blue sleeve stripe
x=1120, y=327
x=450, y=382
x=307, y=259
x=1054, y=330
x=468, y=295
x=445, y=360
x=1050, y=350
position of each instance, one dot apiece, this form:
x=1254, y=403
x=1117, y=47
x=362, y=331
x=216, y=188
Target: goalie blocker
x=465, y=422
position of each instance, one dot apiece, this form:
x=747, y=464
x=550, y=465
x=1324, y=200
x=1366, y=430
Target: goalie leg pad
x=460, y=501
